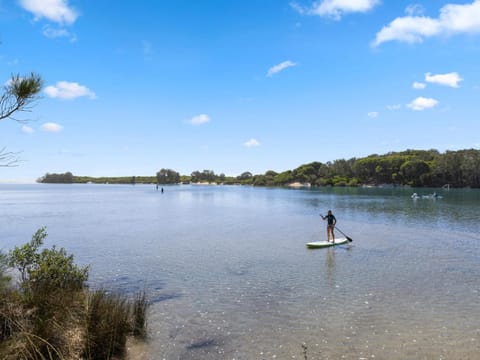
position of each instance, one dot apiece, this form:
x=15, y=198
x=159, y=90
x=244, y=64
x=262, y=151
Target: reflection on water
x=229, y=275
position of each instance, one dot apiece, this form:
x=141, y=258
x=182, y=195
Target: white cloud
x=27, y=129
x=51, y=127
x=418, y=85
x=394, y=107
x=53, y=33
x=199, y=119
x=280, y=67
x=422, y=103
x=335, y=9
x=451, y=79
x=251, y=143
x=68, y=90
x=453, y=19
x=407, y=29
x=373, y=114
x=54, y=10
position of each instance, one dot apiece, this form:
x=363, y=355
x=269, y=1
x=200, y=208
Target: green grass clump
x=107, y=325
x=140, y=307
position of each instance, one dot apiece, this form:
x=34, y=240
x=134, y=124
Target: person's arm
x=323, y=217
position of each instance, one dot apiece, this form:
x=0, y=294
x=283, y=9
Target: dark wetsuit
x=330, y=220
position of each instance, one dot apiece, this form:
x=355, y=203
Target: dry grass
x=94, y=326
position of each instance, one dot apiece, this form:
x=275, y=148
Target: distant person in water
x=331, y=221
x=162, y=190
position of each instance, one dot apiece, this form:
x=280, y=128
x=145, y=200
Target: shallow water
x=229, y=276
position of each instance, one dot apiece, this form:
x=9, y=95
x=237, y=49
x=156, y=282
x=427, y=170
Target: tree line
x=419, y=168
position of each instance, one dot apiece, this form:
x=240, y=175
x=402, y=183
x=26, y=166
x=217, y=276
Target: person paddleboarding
x=331, y=221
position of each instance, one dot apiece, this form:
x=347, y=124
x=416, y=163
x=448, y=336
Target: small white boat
x=415, y=196
x=429, y=196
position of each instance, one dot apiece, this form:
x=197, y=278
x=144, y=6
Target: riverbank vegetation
x=51, y=314
x=418, y=168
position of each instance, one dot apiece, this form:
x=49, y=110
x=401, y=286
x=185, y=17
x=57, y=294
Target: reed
x=107, y=325
x=140, y=307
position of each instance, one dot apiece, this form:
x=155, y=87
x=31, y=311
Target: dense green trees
x=411, y=167
x=204, y=176
x=66, y=178
x=69, y=178
x=168, y=176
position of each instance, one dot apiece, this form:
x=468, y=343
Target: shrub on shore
x=51, y=313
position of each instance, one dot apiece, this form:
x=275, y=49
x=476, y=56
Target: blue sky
x=231, y=86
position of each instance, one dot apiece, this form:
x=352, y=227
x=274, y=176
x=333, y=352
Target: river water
x=229, y=277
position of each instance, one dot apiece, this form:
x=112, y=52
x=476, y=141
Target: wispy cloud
x=199, y=119
x=453, y=19
x=414, y=10
x=280, y=67
x=335, y=9
x=422, y=103
x=251, y=143
x=394, y=107
x=451, y=79
x=68, y=91
x=12, y=62
x=27, y=129
x=51, y=127
x=373, y=114
x=57, y=11
x=419, y=85
x=53, y=33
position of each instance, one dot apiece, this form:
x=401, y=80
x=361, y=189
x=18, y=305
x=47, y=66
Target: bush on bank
x=51, y=313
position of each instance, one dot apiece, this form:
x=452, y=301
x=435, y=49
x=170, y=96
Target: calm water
x=229, y=276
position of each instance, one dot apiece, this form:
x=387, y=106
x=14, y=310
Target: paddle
x=348, y=238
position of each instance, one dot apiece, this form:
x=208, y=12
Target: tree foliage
x=168, y=176
x=4, y=278
x=19, y=95
x=46, y=271
x=65, y=178
x=411, y=167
